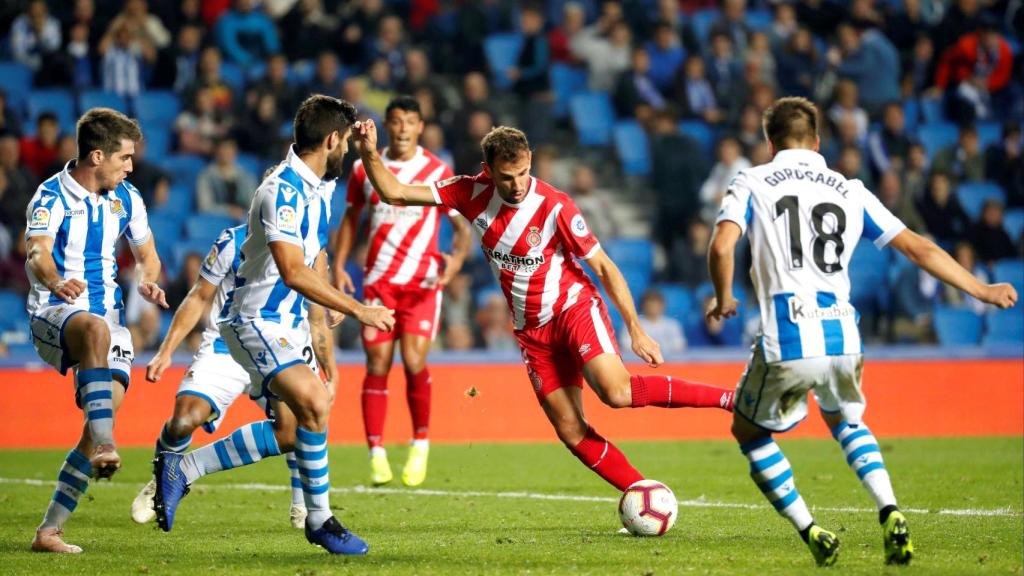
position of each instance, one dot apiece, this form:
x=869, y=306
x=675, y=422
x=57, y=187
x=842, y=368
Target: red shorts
x=555, y=353
x=417, y=311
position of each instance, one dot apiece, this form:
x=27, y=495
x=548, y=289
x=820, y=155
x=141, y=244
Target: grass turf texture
x=228, y=530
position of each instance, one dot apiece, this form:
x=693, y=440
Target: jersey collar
x=68, y=182
x=302, y=170
x=801, y=155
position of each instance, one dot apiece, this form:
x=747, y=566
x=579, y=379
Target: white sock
x=293, y=470
x=72, y=482
x=311, y=456
x=247, y=445
x=771, y=472
x=865, y=459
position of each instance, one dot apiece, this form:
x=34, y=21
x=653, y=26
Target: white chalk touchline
x=694, y=503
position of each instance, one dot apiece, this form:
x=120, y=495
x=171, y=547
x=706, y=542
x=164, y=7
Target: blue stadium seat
x=206, y=227
x=702, y=133
x=158, y=107
x=1010, y=270
x=638, y=278
x=183, y=168
x=931, y=110
x=989, y=133
x=869, y=269
x=759, y=20
x=445, y=235
x=593, y=117
x=102, y=99
x=678, y=300
x=502, y=52
x=957, y=326
x=973, y=195
x=233, y=76
x=1005, y=326
x=158, y=140
x=701, y=22
x=22, y=350
x=17, y=82
x=935, y=136
x=13, y=306
x=634, y=252
x=1013, y=223
x=911, y=114
x=632, y=148
x=56, y=100
x=566, y=82
x=707, y=290
x=252, y=164
x=166, y=227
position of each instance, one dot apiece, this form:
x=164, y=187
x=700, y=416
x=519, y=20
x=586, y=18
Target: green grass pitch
x=965, y=495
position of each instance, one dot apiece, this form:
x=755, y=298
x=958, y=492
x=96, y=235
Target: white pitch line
x=694, y=503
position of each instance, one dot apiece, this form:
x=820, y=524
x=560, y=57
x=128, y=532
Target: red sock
x=669, y=392
x=418, y=395
x=609, y=462
x=375, y=408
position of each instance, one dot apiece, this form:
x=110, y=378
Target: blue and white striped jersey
x=85, y=228
x=291, y=205
x=804, y=222
x=219, y=268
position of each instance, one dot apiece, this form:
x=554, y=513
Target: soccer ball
x=648, y=508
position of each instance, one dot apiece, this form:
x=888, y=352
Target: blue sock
x=72, y=482
x=770, y=470
x=247, y=445
x=311, y=457
x=95, y=395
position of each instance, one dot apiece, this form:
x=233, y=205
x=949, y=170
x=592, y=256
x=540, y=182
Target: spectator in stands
x=327, y=78
x=730, y=162
x=67, y=150
x=667, y=56
x=246, y=35
x=79, y=58
x=988, y=236
x=358, y=21
x=690, y=254
x=275, y=82
x=867, y=58
x=851, y=164
x=419, y=76
x=760, y=62
x=634, y=88
x=198, y=127
x=821, y=16
x=177, y=66
x=888, y=148
x=677, y=169
x=921, y=66
x=560, y=37
x=596, y=209
x=224, y=187
x=784, y=25
x=732, y=23
x=665, y=330
x=378, y=86
x=458, y=337
x=904, y=26
x=151, y=180
x=10, y=121
x=124, y=58
x=496, y=324
x=965, y=256
x=208, y=77
x=965, y=160
x=20, y=181
x=605, y=55
x=39, y=151
x=467, y=148
x=748, y=131
x=890, y=192
x=961, y=17
x=974, y=71
x=13, y=275
x=306, y=29
x=146, y=29
x=433, y=140
x=183, y=13
x=178, y=288
x=530, y=74
x=83, y=13
x=390, y=45
x=259, y=134
x=915, y=173
x=1003, y=164
x=694, y=93
x=353, y=90
x=847, y=107
x=943, y=216
x=457, y=311
x=475, y=98
x=35, y=35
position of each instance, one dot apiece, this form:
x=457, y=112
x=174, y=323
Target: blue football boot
x=336, y=539
x=171, y=487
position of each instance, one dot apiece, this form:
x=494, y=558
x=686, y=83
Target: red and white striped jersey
x=403, y=239
x=530, y=245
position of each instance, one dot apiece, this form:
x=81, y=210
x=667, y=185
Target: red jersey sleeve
x=447, y=173
x=356, y=196
x=574, y=232
x=454, y=192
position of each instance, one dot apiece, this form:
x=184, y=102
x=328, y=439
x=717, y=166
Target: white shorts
x=47, y=325
x=264, y=348
x=215, y=377
x=774, y=396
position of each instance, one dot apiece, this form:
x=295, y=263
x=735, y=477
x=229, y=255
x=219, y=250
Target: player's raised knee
x=616, y=396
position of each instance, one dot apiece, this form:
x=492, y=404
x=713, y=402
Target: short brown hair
x=318, y=116
x=103, y=129
x=504, y=143
x=791, y=121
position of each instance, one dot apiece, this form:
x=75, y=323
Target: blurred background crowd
x=642, y=110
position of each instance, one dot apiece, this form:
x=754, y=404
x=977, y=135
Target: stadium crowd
x=642, y=110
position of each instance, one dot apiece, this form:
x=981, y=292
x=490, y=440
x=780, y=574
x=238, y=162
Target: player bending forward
x=75, y=220
x=214, y=379
x=530, y=233
x=804, y=222
x=403, y=271
x=284, y=262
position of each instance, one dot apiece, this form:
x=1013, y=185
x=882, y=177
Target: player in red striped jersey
x=406, y=271
x=532, y=235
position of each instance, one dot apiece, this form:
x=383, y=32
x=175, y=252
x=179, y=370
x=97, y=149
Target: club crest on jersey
x=40, y=218
x=533, y=236
x=117, y=208
x=286, y=219
x=579, y=226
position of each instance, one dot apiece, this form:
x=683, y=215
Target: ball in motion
x=648, y=508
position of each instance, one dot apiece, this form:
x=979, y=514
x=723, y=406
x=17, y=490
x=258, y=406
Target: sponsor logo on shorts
x=579, y=226
x=533, y=236
x=584, y=349
x=283, y=342
x=40, y=218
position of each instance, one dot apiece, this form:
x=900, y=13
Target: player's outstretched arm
x=39, y=257
x=344, y=240
x=311, y=284
x=461, y=237
x=615, y=285
x=388, y=187
x=721, y=268
x=148, y=267
x=196, y=303
x=934, y=260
